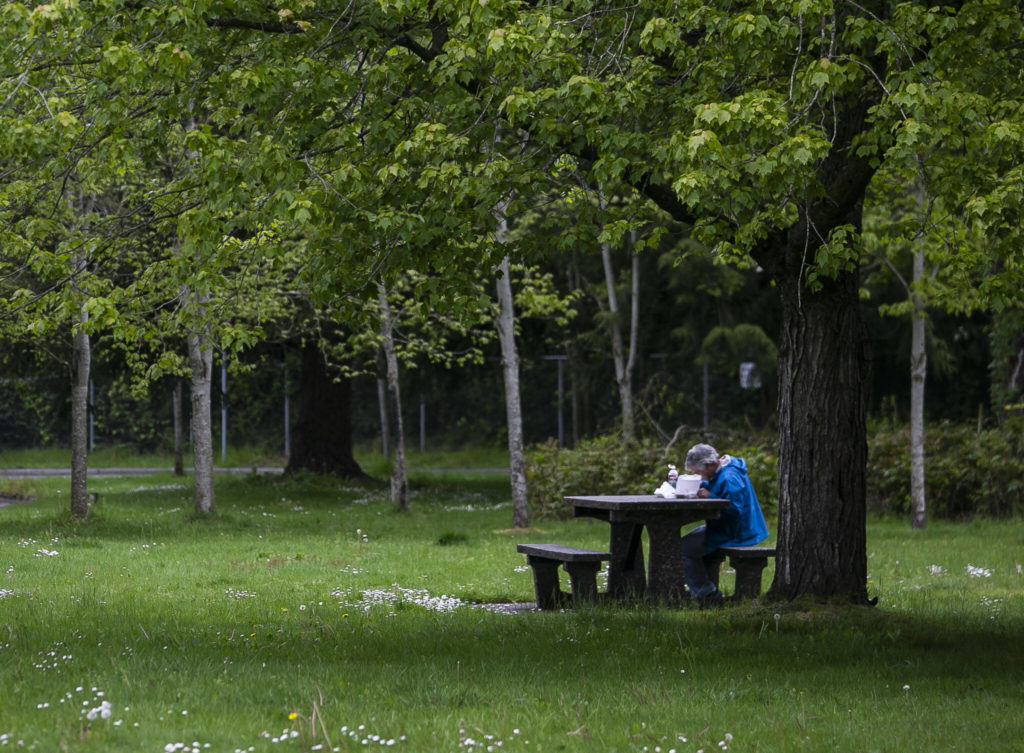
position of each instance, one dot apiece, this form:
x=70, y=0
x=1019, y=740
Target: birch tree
x=513, y=408
x=399, y=472
x=81, y=363
x=623, y=354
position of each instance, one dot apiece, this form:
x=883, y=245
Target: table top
x=647, y=502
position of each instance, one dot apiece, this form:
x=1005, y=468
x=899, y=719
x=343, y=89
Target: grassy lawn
x=248, y=457
x=309, y=614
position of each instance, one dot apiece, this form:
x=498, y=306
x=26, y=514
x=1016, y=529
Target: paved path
x=46, y=472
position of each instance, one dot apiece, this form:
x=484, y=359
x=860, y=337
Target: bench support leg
x=545, y=582
x=626, y=574
x=583, y=577
x=748, y=576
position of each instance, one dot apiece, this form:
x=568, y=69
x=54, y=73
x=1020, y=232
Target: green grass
x=127, y=457
x=310, y=614
x=246, y=457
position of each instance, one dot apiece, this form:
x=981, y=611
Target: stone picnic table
x=663, y=518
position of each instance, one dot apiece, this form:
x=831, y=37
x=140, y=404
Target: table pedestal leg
x=665, y=582
x=626, y=578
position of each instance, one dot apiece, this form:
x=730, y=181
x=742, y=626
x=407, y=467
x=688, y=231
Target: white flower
x=977, y=572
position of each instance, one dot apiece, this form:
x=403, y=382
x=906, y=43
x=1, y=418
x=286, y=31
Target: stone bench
x=581, y=564
x=748, y=562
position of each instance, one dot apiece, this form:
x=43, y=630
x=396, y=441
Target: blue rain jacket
x=742, y=523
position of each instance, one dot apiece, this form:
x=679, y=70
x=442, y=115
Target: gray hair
x=701, y=455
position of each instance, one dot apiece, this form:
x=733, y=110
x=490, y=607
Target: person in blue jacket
x=740, y=524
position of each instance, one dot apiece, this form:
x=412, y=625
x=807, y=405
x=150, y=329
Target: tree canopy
x=381, y=136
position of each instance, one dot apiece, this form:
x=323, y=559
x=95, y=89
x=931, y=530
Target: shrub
x=604, y=465
x=607, y=465
x=967, y=472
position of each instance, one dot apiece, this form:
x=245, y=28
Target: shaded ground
x=45, y=472
x=12, y=498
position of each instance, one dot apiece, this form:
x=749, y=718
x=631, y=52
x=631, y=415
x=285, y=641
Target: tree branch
x=270, y=27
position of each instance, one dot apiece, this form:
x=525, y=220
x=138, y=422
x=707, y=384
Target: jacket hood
x=738, y=463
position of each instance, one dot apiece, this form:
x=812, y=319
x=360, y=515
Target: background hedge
x=968, y=473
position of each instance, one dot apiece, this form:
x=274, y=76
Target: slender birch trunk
x=382, y=403
x=179, y=429
x=81, y=372
x=399, y=471
x=918, y=373
x=513, y=408
x=623, y=362
x=81, y=365
x=200, y=356
x=634, y=323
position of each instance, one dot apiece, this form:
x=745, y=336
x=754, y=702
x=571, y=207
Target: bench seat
x=581, y=564
x=748, y=562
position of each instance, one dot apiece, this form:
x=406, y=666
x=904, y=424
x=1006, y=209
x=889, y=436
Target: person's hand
x=702, y=493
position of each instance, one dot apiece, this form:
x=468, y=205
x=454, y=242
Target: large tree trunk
x=823, y=377
x=822, y=442
x=918, y=372
x=513, y=408
x=323, y=429
x=200, y=356
x=81, y=364
x=399, y=472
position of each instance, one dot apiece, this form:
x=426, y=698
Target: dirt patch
x=518, y=531
x=12, y=498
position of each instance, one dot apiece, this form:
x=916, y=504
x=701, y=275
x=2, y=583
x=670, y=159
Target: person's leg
x=696, y=575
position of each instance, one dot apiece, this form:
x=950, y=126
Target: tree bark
x=399, y=472
x=822, y=442
x=513, y=408
x=81, y=365
x=385, y=428
x=179, y=429
x=323, y=428
x=622, y=360
x=918, y=374
x=200, y=356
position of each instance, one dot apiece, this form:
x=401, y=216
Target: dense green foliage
x=310, y=615
x=969, y=472
x=606, y=465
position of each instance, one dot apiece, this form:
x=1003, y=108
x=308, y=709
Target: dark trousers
x=693, y=549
